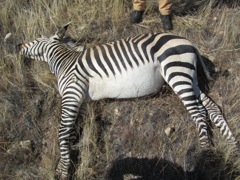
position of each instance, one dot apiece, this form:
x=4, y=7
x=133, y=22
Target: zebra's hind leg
x=216, y=117
x=187, y=93
x=199, y=116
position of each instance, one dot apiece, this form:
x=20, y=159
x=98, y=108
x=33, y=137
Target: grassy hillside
x=120, y=139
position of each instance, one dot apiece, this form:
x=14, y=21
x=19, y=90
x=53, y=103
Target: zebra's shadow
x=207, y=165
x=213, y=71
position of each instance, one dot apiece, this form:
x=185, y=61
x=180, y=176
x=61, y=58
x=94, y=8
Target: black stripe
x=125, y=54
x=130, y=50
x=68, y=66
x=89, y=61
x=202, y=126
x=80, y=74
x=42, y=45
x=67, y=80
x=113, y=58
x=63, y=54
x=224, y=129
x=195, y=108
x=62, y=60
x=67, y=96
x=83, y=91
x=178, y=64
x=82, y=66
x=79, y=88
x=68, y=109
x=177, y=50
x=214, y=118
x=208, y=103
x=59, y=51
x=136, y=49
x=184, y=91
x=163, y=40
x=35, y=50
x=116, y=48
x=191, y=104
x=181, y=83
x=52, y=50
x=99, y=61
x=189, y=98
x=172, y=75
x=145, y=44
x=54, y=53
x=140, y=39
x=106, y=59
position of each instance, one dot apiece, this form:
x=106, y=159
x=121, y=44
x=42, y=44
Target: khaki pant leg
x=139, y=5
x=165, y=7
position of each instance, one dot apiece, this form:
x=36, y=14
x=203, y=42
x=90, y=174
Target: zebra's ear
x=61, y=33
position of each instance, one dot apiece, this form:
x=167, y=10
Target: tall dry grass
x=120, y=139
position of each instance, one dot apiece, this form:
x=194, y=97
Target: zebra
x=75, y=45
x=134, y=67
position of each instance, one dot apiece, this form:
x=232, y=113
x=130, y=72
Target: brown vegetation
x=120, y=139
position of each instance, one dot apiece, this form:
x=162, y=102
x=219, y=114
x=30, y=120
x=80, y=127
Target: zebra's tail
x=203, y=74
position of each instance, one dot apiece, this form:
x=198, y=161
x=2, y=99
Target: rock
x=169, y=131
x=27, y=144
x=117, y=112
x=16, y=148
x=7, y=37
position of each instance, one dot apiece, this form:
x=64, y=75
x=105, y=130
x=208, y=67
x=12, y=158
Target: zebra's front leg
x=196, y=110
x=70, y=108
x=77, y=130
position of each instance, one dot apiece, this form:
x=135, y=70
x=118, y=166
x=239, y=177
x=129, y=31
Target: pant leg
x=165, y=7
x=139, y=5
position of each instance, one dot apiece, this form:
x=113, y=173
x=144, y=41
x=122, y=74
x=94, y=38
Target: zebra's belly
x=138, y=82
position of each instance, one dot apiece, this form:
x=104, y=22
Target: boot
x=167, y=23
x=136, y=17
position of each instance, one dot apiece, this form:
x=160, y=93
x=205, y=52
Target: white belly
x=137, y=82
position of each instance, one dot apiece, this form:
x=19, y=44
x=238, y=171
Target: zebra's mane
x=72, y=44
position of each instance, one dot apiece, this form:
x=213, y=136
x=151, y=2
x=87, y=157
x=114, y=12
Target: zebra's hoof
x=59, y=175
x=206, y=146
x=236, y=148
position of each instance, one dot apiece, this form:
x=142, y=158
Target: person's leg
x=138, y=9
x=139, y=5
x=165, y=8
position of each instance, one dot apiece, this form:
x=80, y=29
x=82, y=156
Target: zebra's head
x=39, y=48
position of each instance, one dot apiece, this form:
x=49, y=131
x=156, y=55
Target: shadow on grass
x=208, y=165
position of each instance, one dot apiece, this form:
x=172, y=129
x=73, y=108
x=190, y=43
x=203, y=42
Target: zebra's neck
x=60, y=57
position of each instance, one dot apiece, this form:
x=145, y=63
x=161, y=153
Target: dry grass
x=121, y=139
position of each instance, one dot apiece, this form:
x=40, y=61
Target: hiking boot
x=136, y=17
x=167, y=23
